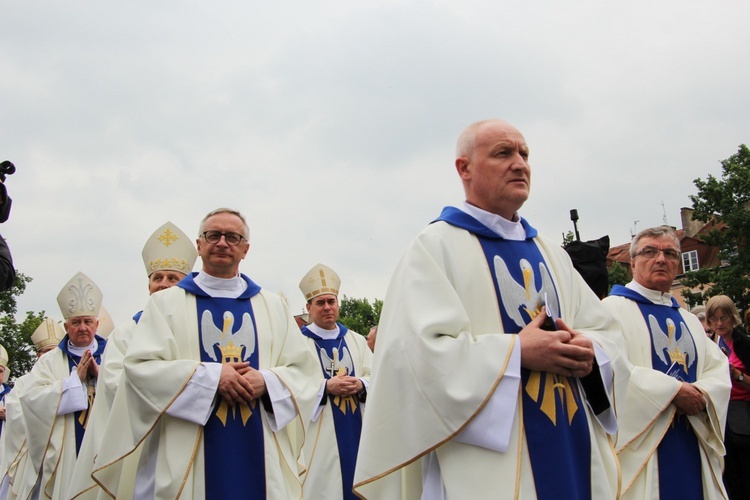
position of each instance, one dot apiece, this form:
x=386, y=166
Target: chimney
x=690, y=226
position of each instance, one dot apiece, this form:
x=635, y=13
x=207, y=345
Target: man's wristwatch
x=741, y=377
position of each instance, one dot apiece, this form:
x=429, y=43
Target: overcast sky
x=331, y=125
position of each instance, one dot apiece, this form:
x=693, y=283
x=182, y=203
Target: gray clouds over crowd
x=332, y=124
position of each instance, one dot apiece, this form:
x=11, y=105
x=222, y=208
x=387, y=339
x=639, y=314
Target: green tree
x=618, y=275
x=568, y=237
x=15, y=336
x=359, y=315
x=725, y=200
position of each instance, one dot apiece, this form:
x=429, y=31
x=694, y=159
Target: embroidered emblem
x=167, y=238
x=81, y=299
x=230, y=345
x=680, y=351
x=340, y=365
x=524, y=302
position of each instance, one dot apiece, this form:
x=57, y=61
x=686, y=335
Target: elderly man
x=345, y=360
x=168, y=255
x=671, y=435
x=13, y=450
x=215, y=373
x=60, y=391
x=485, y=365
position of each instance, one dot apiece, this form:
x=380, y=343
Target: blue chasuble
x=673, y=353
x=336, y=359
x=233, y=437
x=81, y=418
x=4, y=390
x=554, y=416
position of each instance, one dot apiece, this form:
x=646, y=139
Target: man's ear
x=462, y=167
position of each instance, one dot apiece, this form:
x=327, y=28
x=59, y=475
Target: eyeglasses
x=720, y=319
x=232, y=239
x=652, y=252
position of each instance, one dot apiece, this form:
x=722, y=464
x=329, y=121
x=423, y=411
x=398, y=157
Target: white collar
x=323, y=333
x=78, y=351
x=508, y=229
x=221, y=287
x=655, y=296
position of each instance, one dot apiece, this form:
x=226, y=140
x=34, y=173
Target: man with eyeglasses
x=671, y=435
x=218, y=383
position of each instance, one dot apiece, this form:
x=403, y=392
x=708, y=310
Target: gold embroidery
x=344, y=403
x=167, y=237
x=83, y=418
x=568, y=395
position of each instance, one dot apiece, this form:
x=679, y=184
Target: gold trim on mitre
x=79, y=297
x=49, y=332
x=319, y=280
x=3, y=357
x=169, y=249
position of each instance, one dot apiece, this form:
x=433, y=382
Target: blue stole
x=5, y=389
x=81, y=418
x=335, y=358
x=554, y=416
x=673, y=353
x=233, y=437
x=724, y=347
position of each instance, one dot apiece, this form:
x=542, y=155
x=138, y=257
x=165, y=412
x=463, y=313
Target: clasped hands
x=239, y=383
x=344, y=385
x=87, y=367
x=563, y=352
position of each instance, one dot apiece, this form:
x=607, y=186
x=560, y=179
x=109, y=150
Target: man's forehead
x=82, y=318
x=661, y=242
x=325, y=297
x=225, y=221
x=497, y=132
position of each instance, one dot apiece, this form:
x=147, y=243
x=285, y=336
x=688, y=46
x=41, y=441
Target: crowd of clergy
x=498, y=374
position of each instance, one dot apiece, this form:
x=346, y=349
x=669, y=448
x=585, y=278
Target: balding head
x=492, y=161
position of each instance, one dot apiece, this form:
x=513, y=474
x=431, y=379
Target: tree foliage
x=568, y=237
x=618, y=275
x=358, y=314
x=727, y=201
x=15, y=336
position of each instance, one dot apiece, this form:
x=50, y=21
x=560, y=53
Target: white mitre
x=169, y=249
x=49, y=332
x=319, y=280
x=106, y=325
x=80, y=297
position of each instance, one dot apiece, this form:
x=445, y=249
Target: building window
x=690, y=261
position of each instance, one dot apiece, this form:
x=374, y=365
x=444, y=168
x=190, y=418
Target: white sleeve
x=491, y=428
x=319, y=407
x=282, y=402
x=607, y=418
x=74, y=396
x=196, y=401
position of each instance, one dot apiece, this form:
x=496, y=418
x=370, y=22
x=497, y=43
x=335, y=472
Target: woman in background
x=733, y=340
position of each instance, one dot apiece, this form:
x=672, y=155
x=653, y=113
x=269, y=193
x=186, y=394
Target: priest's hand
x=563, y=352
x=689, y=399
x=233, y=387
x=2, y=412
x=344, y=385
x=87, y=367
x=257, y=383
